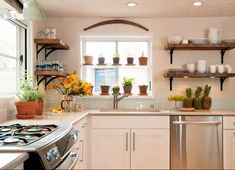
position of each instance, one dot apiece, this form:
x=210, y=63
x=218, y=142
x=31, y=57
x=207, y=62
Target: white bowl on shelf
x=191, y=67
x=174, y=39
x=199, y=41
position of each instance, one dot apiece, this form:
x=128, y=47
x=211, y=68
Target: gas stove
x=21, y=135
x=49, y=146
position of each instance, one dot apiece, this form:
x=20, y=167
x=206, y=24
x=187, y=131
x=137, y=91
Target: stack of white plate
x=201, y=66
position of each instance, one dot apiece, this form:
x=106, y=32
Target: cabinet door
x=110, y=149
x=149, y=148
x=229, y=149
x=83, y=144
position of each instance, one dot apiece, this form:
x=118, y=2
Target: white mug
x=220, y=69
x=214, y=35
x=212, y=68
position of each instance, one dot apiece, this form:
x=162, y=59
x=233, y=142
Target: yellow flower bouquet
x=72, y=85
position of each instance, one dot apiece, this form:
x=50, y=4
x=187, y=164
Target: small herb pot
x=104, y=89
x=87, y=60
x=127, y=89
x=116, y=61
x=101, y=60
x=143, y=60
x=143, y=89
x=130, y=60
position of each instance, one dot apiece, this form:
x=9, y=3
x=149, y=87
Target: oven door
x=70, y=161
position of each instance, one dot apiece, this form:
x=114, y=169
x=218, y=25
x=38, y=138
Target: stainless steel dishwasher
x=196, y=142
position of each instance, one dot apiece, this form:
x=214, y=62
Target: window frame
x=116, y=39
x=21, y=54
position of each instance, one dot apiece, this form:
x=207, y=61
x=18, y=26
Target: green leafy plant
x=29, y=90
x=128, y=81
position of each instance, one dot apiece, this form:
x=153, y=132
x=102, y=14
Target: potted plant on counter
x=127, y=85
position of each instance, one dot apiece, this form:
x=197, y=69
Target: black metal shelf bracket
x=38, y=50
x=171, y=81
x=48, y=51
x=171, y=55
x=222, y=52
x=47, y=79
x=222, y=82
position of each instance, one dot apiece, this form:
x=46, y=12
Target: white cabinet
x=83, y=143
x=229, y=142
x=130, y=142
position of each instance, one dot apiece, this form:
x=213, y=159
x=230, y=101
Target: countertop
x=13, y=159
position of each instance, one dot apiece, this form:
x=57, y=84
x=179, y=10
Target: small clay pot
x=87, y=60
x=104, y=89
x=101, y=60
x=143, y=89
x=127, y=89
x=39, y=108
x=143, y=60
x=26, y=110
x=130, y=60
x=116, y=61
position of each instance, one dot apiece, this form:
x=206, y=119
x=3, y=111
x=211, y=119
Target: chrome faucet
x=116, y=99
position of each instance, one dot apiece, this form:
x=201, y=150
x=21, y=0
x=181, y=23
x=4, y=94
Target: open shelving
x=49, y=46
x=220, y=47
x=221, y=77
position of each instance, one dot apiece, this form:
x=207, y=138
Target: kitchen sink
x=132, y=110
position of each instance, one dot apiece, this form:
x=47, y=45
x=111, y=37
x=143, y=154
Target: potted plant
x=87, y=60
x=116, y=59
x=130, y=60
x=104, y=89
x=101, y=59
x=143, y=60
x=116, y=89
x=143, y=89
x=39, y=108
x=127, y=85
x=28, y=99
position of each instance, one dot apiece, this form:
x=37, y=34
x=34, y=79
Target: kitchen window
x=112, y=74
x=12, y=55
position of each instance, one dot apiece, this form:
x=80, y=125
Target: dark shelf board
x=197, y=75
x=52, y=43
x=199, y=46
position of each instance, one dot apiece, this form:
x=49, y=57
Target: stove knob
x=49, y=156
x=74, y=135
x=55, y=153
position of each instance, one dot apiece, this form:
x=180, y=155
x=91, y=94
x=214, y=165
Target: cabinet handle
x=126, y=141
x=133, y=141
x=81, y=150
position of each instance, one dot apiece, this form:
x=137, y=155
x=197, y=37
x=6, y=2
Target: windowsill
x=6, y=97
x=110, y=97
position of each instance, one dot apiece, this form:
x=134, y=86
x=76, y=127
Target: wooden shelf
x=48, y=76
x=53, y=43
x=222, y=77
x=221, y=47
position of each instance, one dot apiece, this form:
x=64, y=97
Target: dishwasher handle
x=196, y=122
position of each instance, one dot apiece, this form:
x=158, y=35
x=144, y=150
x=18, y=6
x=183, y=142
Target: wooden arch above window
x=116, y=21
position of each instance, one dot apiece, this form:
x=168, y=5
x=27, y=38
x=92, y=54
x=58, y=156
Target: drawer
x=229, y=122
x=130, y=122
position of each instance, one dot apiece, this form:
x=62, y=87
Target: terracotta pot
x=104, y=89
x=88, y=59
x=143, y=89
x=26, y=110
x=127, y=89
x=39, y=109
x=101, y=60
x=143, y=60
x=116, y=60
x=130, y=60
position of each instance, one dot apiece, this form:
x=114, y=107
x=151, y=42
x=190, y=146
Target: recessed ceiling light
x=131, y=4
x=197, y=3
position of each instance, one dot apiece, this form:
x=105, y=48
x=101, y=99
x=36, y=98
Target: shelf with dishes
x=48, y=76
x=222, y=47
x=48, y=71
x=185, y=74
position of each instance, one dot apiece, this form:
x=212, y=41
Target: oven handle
x=76, y=155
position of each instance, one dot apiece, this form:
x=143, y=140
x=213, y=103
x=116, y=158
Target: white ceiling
x=145, y=8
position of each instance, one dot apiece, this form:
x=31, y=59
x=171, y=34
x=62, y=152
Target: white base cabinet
x=229, y=142
x=130, y=142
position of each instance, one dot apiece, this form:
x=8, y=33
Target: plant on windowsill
x=116, y=59
x=143, y=89
x=29, y=105
x=101, y=59
x=116, y=89
x=143, y=60
x=127, y=85
x=130, y=60
x=87, y=60
x=104, y=89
